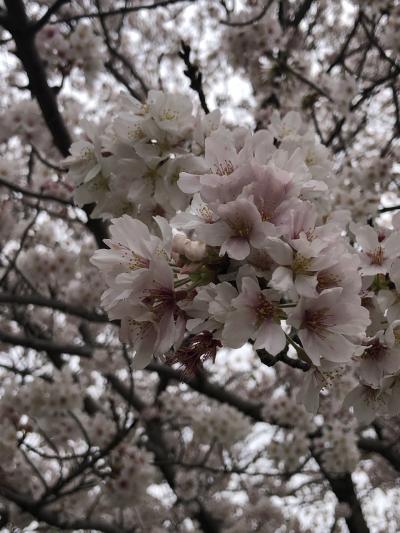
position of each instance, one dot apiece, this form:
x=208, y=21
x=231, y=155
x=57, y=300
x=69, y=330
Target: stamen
x=377, y=256
x=374, y=351
x=224, y=169
x=194, y=351
x=241, y=228
x=264, y=308
x=317, y=321
x=301, y=264
x=326, y=280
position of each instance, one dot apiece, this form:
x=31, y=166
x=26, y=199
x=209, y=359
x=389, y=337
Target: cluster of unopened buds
x=249, y=248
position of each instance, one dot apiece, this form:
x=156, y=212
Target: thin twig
x=195, y=76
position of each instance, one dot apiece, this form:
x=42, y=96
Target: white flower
x=378, y=251
x=171, y=112
x=367, y=402
x=317, y=379
x=379, y=360
x=84, y=163
x=324, y=324
x=256, y=316
x=210, y=308
x=301, y=262
x=288, y=126
x=151, y=320
x=240, y=226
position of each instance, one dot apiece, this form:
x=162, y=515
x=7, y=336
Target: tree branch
x=56, y=519
x=63, y=307
x=344, y=490
x=157, y=446
x=202, y=385
x=46, y=17
x=43, y=345
x=19, y=26
x=381, y=448
x=123, y=10
x=34, y=194
x=256, y=18
x=195, y=76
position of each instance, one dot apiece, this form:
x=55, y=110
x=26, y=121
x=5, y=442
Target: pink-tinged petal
x=162, y=273
x=310, y=347
x=280, y=252
x=391, y=245
x=395, y=273
x=193, y=323
x=240, y=210
x=373, y=270
x=282, y=279
x=166, y=333
x=306, y=285
x=271, y=337
x=263, y=146
x=236, y=248
x=372, y=370
x=386, y=298
x=269, y=229
x=189, y=183
x=214, y=234
x=93, y=172
x=166, y=231
x=364, y=402
x=308, y=394
x=131, y=232
x=261, y=233
x=180, y=328
x=238, y=328
x=352, y=320
x=296, y=315
x=330, y=346
x=144, y=350
x=366, y=237
x=328, y=299
x=220, y=153
x=106, y=259
x=250, y=289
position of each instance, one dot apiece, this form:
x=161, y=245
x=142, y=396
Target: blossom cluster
x=249, y=247
x=130, y=164
x=80, y=48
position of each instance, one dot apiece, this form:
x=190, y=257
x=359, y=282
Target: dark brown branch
x=342, y=53
x=271, y=360
x=34, y=194
x=43, y=345
x=121, y=78
x=372, y=38
x=123, y=10
x=344, y=490
x=63, y=307
x=157, y=445
x=52, y=10
x=56, y=519
x=381, y=448
x=301, y=12
x=195, y=76
x=388, y=209
x=202, y=385
x=47, y=163
x=24, y=236
x=256, y=18
x=19, y=26
x=120, y=57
